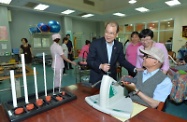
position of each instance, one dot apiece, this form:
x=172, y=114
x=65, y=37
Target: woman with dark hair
x=85, y=50
x=25, y=48
x=146, y=37
x=131, y=50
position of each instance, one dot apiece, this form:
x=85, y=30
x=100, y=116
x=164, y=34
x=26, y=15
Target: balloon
x=34, y=30
x=43, y=27
x=54, y=26
x=40, y=24
x=53, y=22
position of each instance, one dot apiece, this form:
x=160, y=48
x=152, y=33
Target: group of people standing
x=62, y=56
x=144, y=40
x=146, y=60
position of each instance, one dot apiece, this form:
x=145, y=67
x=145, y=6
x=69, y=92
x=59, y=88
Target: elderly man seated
x=151, y=86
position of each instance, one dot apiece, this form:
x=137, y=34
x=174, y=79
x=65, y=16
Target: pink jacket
x=85, y=49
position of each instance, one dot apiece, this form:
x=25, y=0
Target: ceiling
x=102, y=9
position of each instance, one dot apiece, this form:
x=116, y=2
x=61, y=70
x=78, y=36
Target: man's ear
x=156, y=62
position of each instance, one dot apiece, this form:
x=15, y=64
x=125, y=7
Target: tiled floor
x=69, y=79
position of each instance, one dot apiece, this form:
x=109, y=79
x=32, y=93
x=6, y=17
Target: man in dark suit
x=70, y=51
x=104, y=53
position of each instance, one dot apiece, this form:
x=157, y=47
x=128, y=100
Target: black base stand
x=8, y=106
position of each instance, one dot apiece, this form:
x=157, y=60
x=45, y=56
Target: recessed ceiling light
x=87, y=15
x=142, y=9
x=41, y=7
x=173, y=3
x=68, y=11
x=5, y=1
x=119, y=14
x=132, y=1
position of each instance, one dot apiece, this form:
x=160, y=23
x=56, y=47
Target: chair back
x=160, y=106
x=172, y=54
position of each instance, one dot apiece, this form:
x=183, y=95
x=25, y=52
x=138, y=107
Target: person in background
x=126, y=45
x=65, y=50
x=104, y=53
x=182, y=55
x=168, y=44
x=26, y=49
x=85, y=50
x=170, y=39
x=131, y=50
x=152, y=86
x=70, y=50
x=146, y=37
x=57, y=59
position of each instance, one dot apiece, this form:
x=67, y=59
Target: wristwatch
x=136, y=91
x=135, y=70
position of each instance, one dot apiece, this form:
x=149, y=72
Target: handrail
x=172, y=59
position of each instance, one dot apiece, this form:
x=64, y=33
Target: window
x=129, y=28
x=45, y=42
x=41, y=42
x=139, y=26
x=153, y=26
x=163, y=30
x=37, y=42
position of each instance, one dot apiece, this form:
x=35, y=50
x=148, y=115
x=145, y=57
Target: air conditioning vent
x=82, y=14
x=31, y=5
x=88, y=2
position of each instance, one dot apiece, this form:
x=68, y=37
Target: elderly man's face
x=149, y=61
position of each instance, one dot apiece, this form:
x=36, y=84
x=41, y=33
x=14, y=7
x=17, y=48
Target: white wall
x=5, y=23
x=21, y=21
x=84, y=30
x=19, y=27
x=180, y=19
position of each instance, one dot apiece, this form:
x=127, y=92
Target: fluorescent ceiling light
x=41, y=7
x=87, y=15
x=119, y=14
x=68, y=11
x=132, y=1
x=173, y=3
x=142, y=9
x=5, y=1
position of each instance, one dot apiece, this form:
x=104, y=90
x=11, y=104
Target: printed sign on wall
x=3, y=33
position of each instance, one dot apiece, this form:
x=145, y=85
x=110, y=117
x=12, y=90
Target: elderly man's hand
x=129, y=86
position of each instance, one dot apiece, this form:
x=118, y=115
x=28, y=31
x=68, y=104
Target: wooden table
x=153, y=115
x=79, y=111
x=75, y=111
x=17, y=80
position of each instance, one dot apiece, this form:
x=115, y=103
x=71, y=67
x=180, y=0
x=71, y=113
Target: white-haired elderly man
x=152, y=86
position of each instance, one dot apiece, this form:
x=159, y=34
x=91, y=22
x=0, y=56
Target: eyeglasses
x=148, y=56
x=145, y=39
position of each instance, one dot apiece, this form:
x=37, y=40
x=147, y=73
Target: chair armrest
x=160, y=106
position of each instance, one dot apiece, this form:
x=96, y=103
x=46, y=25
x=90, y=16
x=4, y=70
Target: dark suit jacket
x=98, y=55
